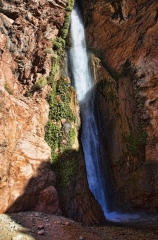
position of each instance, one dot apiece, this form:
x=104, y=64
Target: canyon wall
x=122, y=39
x=24, y=153
x=28, y=30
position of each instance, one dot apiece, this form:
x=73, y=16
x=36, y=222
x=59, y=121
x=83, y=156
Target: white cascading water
x=83, y=83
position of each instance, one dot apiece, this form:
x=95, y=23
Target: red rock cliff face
x=27, y=182
x=122, y=35
x=25, y=175
x=28, y=27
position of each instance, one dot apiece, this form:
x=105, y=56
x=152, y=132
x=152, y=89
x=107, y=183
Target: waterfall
x=83, y=83
x=82, y=80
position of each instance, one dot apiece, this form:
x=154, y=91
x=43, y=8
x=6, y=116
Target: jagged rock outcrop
x=122, y=36
x=29, y=27
x=27, y=182
x=25, y=174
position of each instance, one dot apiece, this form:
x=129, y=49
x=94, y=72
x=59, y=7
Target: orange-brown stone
x=122, y=34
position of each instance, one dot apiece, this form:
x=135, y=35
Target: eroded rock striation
x=122, y=37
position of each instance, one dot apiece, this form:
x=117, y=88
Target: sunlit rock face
x=27, y=181
x=23, y=152
x=24, y=155
x=29, y=26
x=25, y=172
x=122, y=37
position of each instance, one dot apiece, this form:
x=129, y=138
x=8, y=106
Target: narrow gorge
x=78, y=107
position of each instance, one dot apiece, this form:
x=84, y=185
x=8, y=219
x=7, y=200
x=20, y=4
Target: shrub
x=40, y=83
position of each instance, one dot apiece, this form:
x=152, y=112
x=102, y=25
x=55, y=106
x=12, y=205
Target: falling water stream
x=84, y=85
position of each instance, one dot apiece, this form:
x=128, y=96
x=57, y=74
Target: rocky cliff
x=122, y=37
x=22, y=62
x=28, y=30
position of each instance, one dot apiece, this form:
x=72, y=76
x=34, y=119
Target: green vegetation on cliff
x=58, y=100
x=38, y=85
x=59, y=131
x=53, y=135
x=60, y=118
x=70, y=5
x=65, y=166
x=8, y=88
x=135, y=142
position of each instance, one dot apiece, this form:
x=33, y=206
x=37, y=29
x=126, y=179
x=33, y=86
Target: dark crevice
x=156, y=16
x=118, y=14
x=12, y=15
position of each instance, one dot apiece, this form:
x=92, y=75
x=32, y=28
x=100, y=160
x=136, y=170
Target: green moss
x=66, y=166
x=70, y=5
x=70, y=140
x=8, y=88
x=65, y=28
x=40, y=83
x=59, y=111
x=48, y=50
x=53, y=135
x=135, y=142
x=71, y=136
x=58, y=43
x=55, y=65
x=111, y=96
x=59, y=108
x=51, y=97
x=64, y=162
x=62, y=89
x=107, y=89
x=28, y=94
